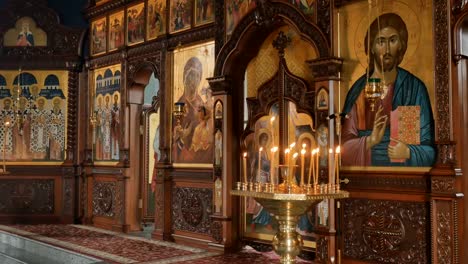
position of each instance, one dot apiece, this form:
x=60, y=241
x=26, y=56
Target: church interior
x=262, y=131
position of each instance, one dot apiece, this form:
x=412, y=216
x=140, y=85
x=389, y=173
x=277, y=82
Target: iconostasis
x=34, y=105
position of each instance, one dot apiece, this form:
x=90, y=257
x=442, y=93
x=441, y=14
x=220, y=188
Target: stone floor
x=102, y=246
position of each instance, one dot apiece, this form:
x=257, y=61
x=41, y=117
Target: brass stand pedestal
x=286, y=207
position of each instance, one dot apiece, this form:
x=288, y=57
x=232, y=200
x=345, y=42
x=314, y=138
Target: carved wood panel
x=322, y=250
x=444, y=231
x=159, y=204
x=191, y=209
x=217, y=231
x=104, y=198
x=385, y=231
x=27, y=196
x=68, y=191
x=441, y=26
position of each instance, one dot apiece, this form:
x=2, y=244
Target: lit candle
x=294, y=157
x=292, y=145
x=272, y=173
x=286, y=156
x=317, y=153
x=259, y=163
x=272, y=127
x=330, y=152
x=291, y=148
x=303, y=151
x=337, y=163
x=244, y=166
x=338, y=33
x=312, y=165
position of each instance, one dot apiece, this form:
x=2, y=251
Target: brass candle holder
x=373, y=91
x=286, y=202
x=286, y=207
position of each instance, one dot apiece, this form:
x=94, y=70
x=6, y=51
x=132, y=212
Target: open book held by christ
x=405, y=126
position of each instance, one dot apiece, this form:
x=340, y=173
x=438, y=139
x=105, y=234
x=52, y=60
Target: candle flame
x=295, y=155
x=274, y=149
x=318, y=150
x=314, y=151
x=330, y=151
x=303, y=151
x=338, y=149
x=292, y=145
x=261, y=149
x=245, y=154
x=272, y=119
x=304, y=145
x=286, y=151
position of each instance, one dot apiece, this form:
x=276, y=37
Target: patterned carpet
x=114, y=247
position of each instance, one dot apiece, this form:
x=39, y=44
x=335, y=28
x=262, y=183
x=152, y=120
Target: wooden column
x=225, y=228
x=326, y=74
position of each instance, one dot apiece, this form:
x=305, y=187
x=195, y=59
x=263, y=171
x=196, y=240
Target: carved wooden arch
x=461, y=21
x=139, y=73
x=255, y=27
x=284, y=85
x=295, y=90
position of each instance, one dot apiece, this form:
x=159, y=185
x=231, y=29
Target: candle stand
x=287, y=201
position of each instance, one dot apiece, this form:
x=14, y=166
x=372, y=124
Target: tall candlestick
x=312, y=166
x=292, y=174
x=330, y=152
x=317, y=167
x=259, y=163
x=286, y=157
x=303, y=151
x=338, y=33
x=244, y=166
x=273, y=171
x=337, y=163
x=272, y=127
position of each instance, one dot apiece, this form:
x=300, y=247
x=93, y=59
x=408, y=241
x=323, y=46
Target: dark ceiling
x=69, y=11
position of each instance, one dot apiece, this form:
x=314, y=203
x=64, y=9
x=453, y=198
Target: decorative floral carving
x=385, y=231
x=322, y=250
x=276, y=10
x=219, y=25
x=441, y=38
x=326, y=68
x=443, y=184
x=68, y=196
x=27, y=196
x=400, y=183
x=444, y=238
x=159, y=207
x=382, y=232
x=191, y=208
x=217, y=231
x=323, y=16
x=104, y=198
x=446, y=153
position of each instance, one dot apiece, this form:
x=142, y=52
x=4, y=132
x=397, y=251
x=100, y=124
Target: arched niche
x=143, y=116
x=239, y=63
x=151, y=115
